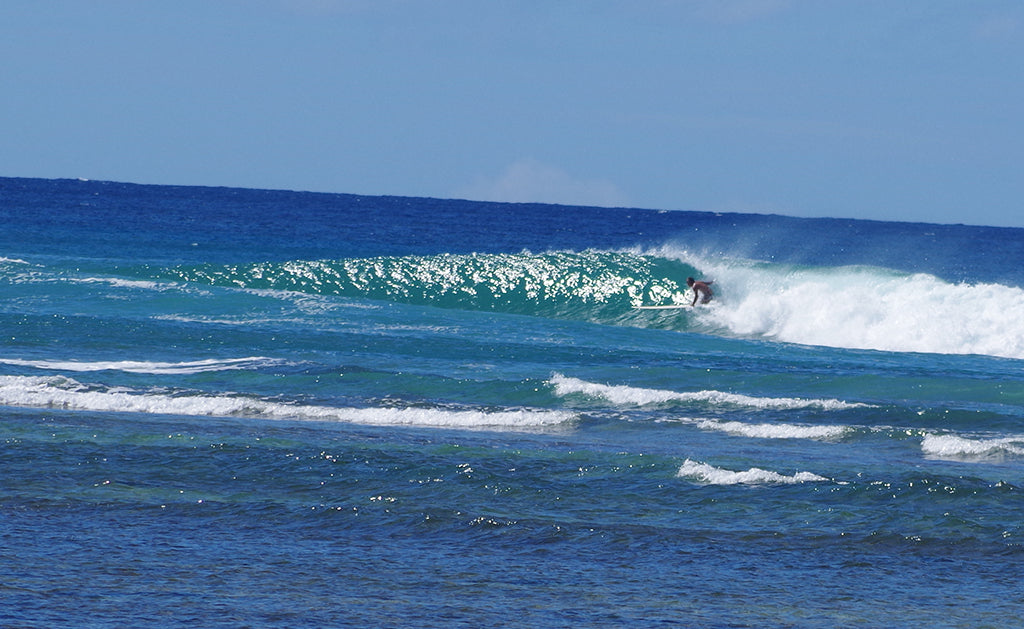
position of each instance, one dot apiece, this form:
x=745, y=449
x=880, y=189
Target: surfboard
x=669, y=307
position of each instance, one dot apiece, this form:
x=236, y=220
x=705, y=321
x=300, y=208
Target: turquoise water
x=254, y=408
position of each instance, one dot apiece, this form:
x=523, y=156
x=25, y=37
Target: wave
x=125, y=283
x=633, y=396
x=593, y=285
x=710, y=475
x=150, y=367
x=855, y=307
x=777, y=431
x=66, y=393
x=963, y=448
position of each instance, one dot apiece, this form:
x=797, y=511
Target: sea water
x=227, y=408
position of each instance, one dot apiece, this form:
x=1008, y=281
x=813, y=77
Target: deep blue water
x=224, y=407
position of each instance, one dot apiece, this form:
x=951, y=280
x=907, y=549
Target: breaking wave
x=69, y=394
x=856, y=307
x=633, y=396
x=710, y=475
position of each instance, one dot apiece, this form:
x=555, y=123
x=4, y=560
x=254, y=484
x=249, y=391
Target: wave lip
x=633, y=396
x=711, y=475
x=66, y=393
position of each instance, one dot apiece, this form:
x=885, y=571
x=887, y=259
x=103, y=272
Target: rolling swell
x=591, y=285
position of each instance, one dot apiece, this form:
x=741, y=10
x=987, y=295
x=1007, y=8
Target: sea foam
x=634, y=396
x=711, y=475
x=776, y=431
x=135, y=366
x=956, y=447
x=862, y=307
x=66, y=393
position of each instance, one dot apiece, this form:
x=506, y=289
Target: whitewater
x=863, y=307
x=232, y=407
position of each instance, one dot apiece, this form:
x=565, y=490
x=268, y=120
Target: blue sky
x=895, y=110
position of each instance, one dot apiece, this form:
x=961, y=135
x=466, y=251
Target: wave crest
x=776, y=431
x=963, y=448
x=67, y=393
x=711, y=475
x=634, y=396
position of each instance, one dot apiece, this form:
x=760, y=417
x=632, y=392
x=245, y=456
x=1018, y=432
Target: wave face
x=591, y=285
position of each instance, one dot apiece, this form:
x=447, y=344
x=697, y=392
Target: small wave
x=66, y=393
x=710, y=475
x=119, y=282
x=776, y=431
x=955, y=447
x=234, y=320
x=634, y=396
x=132, y=366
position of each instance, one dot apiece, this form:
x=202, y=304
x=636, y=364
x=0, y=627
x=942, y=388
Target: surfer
x=701, y=289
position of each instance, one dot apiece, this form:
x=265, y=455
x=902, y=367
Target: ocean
x=249, y=408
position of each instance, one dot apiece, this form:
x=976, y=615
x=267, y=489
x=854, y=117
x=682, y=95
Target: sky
x=906, y=110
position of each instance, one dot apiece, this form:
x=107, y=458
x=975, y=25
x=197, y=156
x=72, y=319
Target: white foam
x=862, y=308
x=956, y=447
x=710, y=475
x=241, y=321
x=147, y=285
x=776, y=431
x=634, y=396
x=132, y=366
x=66, y=393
